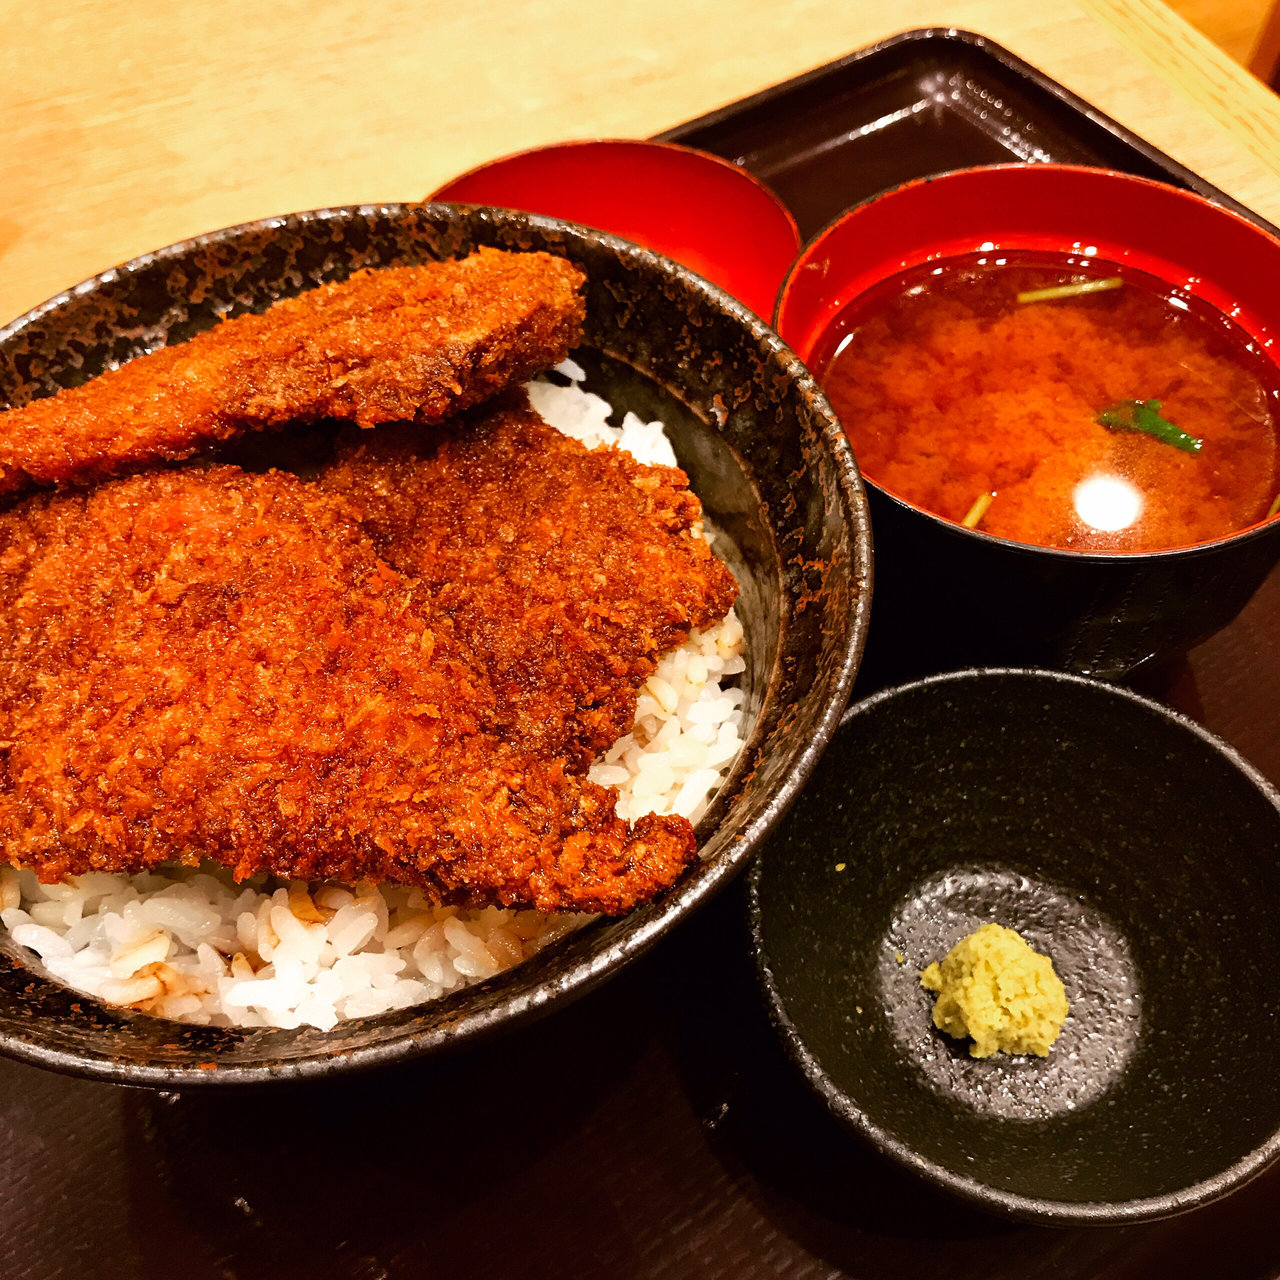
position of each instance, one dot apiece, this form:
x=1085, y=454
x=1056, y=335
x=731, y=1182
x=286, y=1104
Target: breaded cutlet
x=405, y=343
x=568, y=570
x=211, y=664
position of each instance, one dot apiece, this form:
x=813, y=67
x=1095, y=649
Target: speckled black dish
x=1129, y=844
x=763, y=451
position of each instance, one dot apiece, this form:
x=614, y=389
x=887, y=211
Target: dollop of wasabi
x=995, y=989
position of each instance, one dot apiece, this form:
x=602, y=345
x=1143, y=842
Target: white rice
x=195, y=946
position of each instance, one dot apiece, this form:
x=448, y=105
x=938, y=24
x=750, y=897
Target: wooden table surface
x=129, y=126
x=649, y=1131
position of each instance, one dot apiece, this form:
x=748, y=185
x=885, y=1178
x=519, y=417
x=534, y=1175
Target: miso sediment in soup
x=1057, y=400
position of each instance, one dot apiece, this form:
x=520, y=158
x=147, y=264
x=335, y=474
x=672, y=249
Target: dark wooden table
x=651, y=1130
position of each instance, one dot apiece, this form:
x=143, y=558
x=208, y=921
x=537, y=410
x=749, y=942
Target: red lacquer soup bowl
x=709, y=215
x=948, y=594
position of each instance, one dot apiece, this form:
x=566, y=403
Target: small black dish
x=1129, y=844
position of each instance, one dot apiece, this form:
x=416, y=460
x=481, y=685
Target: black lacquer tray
x=920, y=103
x=653, y=1129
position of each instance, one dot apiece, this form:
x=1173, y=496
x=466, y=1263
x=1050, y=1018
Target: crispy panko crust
x=213, y=664
x=569, y=570
x=404, y=343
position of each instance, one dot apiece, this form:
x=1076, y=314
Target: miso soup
x=1057, y=400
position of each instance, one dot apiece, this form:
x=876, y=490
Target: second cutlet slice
x=211, y=664
x=568, y=570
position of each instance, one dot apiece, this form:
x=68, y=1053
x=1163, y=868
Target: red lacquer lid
x=707, y=214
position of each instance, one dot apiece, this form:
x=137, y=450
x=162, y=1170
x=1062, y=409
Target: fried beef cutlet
x=212, y=664
x=569, y=570
x=405, y=343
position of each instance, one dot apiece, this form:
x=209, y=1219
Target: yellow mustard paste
x=995, y=989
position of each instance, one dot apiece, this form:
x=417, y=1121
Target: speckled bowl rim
x=577, y=979
x=1039, y=1209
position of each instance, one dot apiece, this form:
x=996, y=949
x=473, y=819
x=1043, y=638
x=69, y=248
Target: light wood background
x=1233, y=25
x=127, y=126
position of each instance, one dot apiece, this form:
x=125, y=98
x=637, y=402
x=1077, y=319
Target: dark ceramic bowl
x=949, y=596
x=762, y=449
x=1130, y=845
x=701, y=210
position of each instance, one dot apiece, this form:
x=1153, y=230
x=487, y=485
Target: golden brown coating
x=213, y=664
x=569, y=570
x=405, y=343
